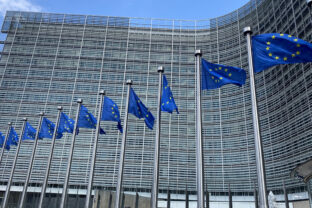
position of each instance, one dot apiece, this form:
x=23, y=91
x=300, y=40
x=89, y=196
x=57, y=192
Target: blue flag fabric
x=273, y=49
x=66, y=124
x=137, y=108
x=13, y=137
x=87, y=120
x=216, y=75
x=47, y=129
x=110, y=112
x=29, y=132
x=167, y=101
x=2, y=138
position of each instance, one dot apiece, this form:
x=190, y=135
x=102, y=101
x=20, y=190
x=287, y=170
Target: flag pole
x=91, y=173
x=122, y=148
x=199, y=140
x=157, y=143
x=45, y=181
x=5, y=140
x=263, y=199
x=7, y=192
x=31, y=161
x=71, y=152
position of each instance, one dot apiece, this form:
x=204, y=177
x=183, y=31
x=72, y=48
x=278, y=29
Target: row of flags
x=110, y=112
x=268, y=50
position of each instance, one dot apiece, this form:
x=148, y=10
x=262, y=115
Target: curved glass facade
x=54, y=59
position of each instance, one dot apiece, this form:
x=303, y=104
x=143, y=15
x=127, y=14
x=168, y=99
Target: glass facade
x=54, y=59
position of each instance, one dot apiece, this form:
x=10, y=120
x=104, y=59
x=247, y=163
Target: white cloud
x=18, y=5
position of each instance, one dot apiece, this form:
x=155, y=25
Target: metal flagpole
x=263, y=199
x=31, y=161
x=64, y=194
x=45, y=181
x=157, y=143
x=5, y=140
x=7, y=192
x=122, y=149
x=199, y=140
x=91, y=173
x=285, y=195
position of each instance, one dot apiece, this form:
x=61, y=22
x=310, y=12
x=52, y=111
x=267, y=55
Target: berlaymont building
x=51, y=60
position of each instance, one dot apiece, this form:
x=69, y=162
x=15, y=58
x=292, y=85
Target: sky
x=162, y=9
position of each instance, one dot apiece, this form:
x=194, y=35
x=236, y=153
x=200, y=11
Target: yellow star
x=298, y=45
x=289, y=36
x=116, y=116
x=273, y=37
x=268, y=43
x=293, y=55
x=113, y=112
x=298, y=52
x=230, y=74
x=267, y=48
x=167, y=102
x=216, y=69
x=221, y=78
x=296, y=40
x=210, y=69
x=138, y=101
x=146, y=115
x=112, y=108
x=216, y=81
x=282, y=34
x=170, y=98
x=276, y=57
x=114, y=105
x=270, y=54
x=166, y=87
x=212, y=77
x=285, y=58
x=163, y=104
x=220, y=67
x=225, y=70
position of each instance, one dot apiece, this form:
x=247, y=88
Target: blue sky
x=164, y=9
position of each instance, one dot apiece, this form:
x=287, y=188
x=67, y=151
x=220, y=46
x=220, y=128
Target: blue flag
x=137, y=108
x=66, y=124
x=87, y=120
x=13, y=137
x=110, y=112
x=167, y=101
x=2, y=138
x=29, y=132
x=47, y=129
x=274, y=49
x=216, y=75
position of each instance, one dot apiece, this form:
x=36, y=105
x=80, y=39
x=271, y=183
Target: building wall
x=54, y=59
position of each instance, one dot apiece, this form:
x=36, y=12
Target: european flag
x=47, y=129
x=137, y=108
x=216, y=75
x=110, y=112
x=167, y=101
x=2, y=138
x=13, y=137
x=66, y=124
x=87, y=120
x=29, y=132
x=274, y=49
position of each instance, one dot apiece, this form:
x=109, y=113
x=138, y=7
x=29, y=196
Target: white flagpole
x=64, y=194
x=45, y=181
x=5, y=140
x=22, y=200
x=91, y=173
x=157, y=143
x=263, y=199
x=7, y=192
x=122, y=149
x=199, y=139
